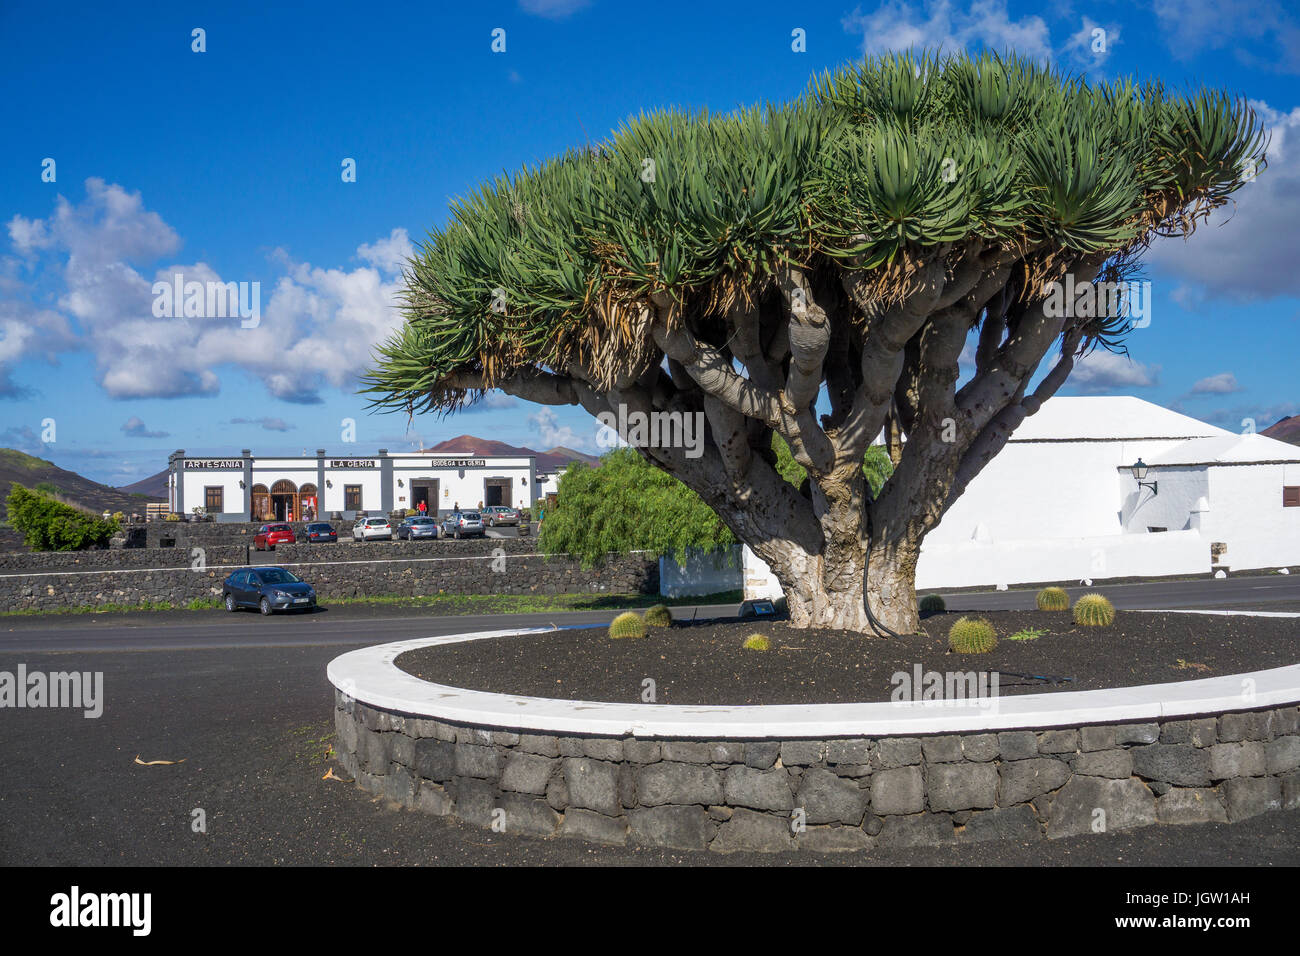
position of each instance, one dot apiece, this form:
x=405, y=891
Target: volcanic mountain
x=553, y=460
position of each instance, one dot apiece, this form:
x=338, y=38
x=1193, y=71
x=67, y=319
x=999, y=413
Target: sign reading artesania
x=352, y=463
x=218, y=464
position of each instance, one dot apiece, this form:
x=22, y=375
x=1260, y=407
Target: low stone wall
x=331, y=573
x=39, y=562
x=831, y=794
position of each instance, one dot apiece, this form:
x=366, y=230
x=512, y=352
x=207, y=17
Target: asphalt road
x=1241, y=591
x=243, y=701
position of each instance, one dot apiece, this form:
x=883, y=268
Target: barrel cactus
x=1053, y=599
x=1093, y=610
x=756, y=642
x=627, y=624
x=658, y=616
x=932, y=604
x=972, y=635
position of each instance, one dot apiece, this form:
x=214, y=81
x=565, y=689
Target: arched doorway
x=308, y=507
x=284, y=500
x=261, y=504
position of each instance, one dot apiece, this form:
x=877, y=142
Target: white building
x=246, y=488
x=1061, y=502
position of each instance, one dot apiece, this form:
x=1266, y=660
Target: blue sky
x=226, y=164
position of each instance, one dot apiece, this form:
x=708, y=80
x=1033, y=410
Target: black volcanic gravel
x=704, y=663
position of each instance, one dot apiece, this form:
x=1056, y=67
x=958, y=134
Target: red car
x=269, y=535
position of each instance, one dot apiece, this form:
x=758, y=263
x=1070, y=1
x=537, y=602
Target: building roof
x=1110, y=418
x=1229, y=449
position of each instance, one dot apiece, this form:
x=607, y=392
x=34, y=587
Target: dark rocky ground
x=704, y=663
x=253, y=728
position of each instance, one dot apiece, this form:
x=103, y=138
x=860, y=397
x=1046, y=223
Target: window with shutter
x=1291, y=496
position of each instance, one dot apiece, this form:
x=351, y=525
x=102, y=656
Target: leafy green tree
x=49, y=525
x=628, y=505
x=738, y=267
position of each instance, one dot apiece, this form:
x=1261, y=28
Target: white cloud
x=316, y=329
x=1101, y=371
x=1089, y=48
x=1225, y=383
x=388, y=255
x=553, y=9
x=551, y=433
x=134, y=427
x=941, y=24
x=1246, y=250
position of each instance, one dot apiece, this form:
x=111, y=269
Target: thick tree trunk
x=891, y=585
x=826, y=589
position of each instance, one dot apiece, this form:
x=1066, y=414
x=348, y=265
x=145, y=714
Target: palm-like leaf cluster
x=876, y=162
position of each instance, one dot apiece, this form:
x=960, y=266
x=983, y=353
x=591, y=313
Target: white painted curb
x=370, y=676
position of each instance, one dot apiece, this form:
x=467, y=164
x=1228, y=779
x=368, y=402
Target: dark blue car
x=267, y=589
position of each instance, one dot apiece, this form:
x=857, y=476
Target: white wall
x=1246, y=513
x=1033, y=561
x=704, y=573
x=1047, y=489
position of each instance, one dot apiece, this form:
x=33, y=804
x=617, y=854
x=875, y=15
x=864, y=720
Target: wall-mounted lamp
x=328, y=483
x=241, y=483
x=523, y=481
x=400, y=484
x=1139, y=469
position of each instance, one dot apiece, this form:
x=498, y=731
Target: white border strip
x=371, y=676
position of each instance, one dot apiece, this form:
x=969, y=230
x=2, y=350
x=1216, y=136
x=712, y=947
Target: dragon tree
x=815, y=270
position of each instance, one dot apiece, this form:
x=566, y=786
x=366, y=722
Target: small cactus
x=1093, y=610
x=932, y=604
x=972, y=635
x=1053, y=599
x=627, y=624
x=658, y=616
x=756, y=642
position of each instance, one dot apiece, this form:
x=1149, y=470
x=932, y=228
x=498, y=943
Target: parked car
x=417, y=527
x=267, y=589
x=269, y=535
x=500, y=515
x=319, y=532
x=369, y=529
x=460, y=523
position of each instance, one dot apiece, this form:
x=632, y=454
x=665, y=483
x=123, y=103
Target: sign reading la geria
x=352, y=463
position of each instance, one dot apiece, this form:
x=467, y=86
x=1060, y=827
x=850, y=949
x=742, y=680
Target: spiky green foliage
x=1027, y=634
x=1053, y=599
x=49, y=525
x=658, y=615
x=972, y=635
x=932, y=604
x=876, y=161
x=756, y=642
x=628, y=505
x=1093, y=610
x=627, y=625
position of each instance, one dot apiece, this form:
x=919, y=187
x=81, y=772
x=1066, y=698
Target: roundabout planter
x=819, y=777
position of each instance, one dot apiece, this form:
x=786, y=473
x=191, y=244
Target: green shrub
x=627, y=624
x=972, y=635
x=1093, y=610
x=1028, y=634
x=932, y=604
x=658, y=616
x=49, y=525
x=756, y=642
x=1053, y=599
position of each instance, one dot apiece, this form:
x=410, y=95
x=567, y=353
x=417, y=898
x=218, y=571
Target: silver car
x=500, y=515
x=460, y=523
x=418, y=527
